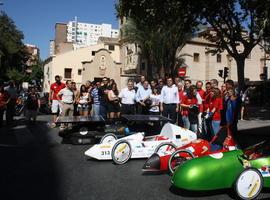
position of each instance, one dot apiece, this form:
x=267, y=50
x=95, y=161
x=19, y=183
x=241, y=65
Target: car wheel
x=165, y=148
x=121, y=152
x=178, y=158
x=248, y=184
x=107, y=138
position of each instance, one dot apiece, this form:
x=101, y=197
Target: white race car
x=138, y=146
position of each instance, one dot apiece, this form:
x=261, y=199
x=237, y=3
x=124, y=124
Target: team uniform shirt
x=169, y=95
x=216, y=103
x=56, y=88
x=143, y=94
x=127, y=96
x=188, y=101
x=67, y=95
x=181, y=95
x=155, y=101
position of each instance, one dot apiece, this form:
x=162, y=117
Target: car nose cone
x=152, y=164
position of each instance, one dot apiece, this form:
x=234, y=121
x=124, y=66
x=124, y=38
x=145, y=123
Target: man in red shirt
x=55, y=105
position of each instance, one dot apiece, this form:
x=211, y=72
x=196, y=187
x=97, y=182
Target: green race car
x=247, y=171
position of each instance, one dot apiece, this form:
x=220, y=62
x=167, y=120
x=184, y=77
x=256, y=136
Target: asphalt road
x=35, y=165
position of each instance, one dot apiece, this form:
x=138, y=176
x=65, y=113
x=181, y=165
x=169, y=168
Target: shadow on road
x=28, y=169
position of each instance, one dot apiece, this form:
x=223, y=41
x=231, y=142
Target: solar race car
x=139, y=146
x=171, y=158
x=247, y=171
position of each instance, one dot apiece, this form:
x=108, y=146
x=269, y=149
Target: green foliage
x=236, y=23
x=12, y=51
x=160, y=27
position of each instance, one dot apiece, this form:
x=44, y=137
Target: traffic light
x=226, y=71
x=220, y=73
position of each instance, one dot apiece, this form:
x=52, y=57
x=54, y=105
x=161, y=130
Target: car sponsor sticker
x=216, y=155
x=265, y=170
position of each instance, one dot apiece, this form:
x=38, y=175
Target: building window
x=79, y=72
x=111, y=47
x=93, y=53
x=196, y=57
x=67, y=73
x=219, y=58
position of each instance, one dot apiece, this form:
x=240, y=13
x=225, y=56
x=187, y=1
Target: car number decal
x=105, y=153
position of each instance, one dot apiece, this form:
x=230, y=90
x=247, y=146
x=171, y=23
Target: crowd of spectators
x=192, y=106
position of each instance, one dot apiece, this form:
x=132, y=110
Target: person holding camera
x=113, y=103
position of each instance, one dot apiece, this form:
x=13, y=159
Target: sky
x=37, y=18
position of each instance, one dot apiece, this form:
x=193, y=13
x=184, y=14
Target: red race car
x=174, y=157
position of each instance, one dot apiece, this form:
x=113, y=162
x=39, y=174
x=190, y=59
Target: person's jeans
x=186, y=122
x=103, y=111
x=188, y=125
x=215, y=126
x=96, y=109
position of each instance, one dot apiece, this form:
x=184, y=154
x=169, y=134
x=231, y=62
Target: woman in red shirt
x=190, y=109
x=215, y=105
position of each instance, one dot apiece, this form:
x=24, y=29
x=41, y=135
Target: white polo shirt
x=67, y=95
x=127, y=96
x=169, y=95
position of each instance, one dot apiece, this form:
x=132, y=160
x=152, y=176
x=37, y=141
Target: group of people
x=8, y=100
x=190, y=106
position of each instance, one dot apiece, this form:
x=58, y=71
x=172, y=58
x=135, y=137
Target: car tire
x=107, y=138
x=161, y=151
x=248, y=184
x=121, y=152
x=181, y=160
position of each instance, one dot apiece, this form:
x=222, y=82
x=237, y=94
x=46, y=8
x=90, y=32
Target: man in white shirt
x=169, y=99
x=143, y=93
x=127, y=96
x=66, y=99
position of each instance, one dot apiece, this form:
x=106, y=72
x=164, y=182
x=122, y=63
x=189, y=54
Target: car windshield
x=261, y=149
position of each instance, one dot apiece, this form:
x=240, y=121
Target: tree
x=237, y=26
x=163, y=27
x=13, y=54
